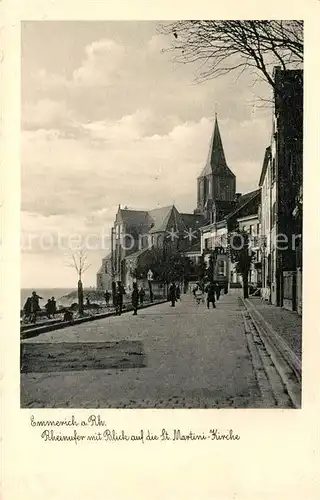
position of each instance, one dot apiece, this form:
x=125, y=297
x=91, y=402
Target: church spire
x=216, y=157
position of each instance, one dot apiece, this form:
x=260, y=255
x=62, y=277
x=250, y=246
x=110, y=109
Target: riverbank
x=33, y=330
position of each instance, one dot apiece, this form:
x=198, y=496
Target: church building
x=218, y=207
x=216, y=193
x=222, y=208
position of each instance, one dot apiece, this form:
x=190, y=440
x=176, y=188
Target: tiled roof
x=225, y=204
x=160, y=218
x=244, y=200
x=193, y=221
x=136, y=254
x=224, y=208
x=133, y=218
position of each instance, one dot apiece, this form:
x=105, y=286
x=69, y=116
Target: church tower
x=216, y=183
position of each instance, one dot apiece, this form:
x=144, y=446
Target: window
x=258, y=229
x=205, y=189
x=252, y=230
x=273, y=214
x=208, y=243
x=273, y=169
x=221, y=267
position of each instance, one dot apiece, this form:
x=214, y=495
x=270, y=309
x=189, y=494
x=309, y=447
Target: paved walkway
x=195, y=358
x=287, y=323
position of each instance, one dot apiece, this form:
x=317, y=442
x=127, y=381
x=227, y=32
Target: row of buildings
x=271, y=214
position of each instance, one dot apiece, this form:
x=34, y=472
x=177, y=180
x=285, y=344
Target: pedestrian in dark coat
x=27, y=309
x=135, y=298
x=178, y=293
x=48, y=307
x=141, y=295
x=35, y=306
x=217, y=290
x=211, y=295
x=53, y=306
x=107, y=297
x=172, y=294
x=120, y=292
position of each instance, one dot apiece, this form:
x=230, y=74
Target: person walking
x=142, y=294
x=48, y=308
x=217, y=290
x=135, y=298
x=211, y=295
x=107, y=296
x=178, y=293
x=53, y=306
x=35, y=308
x=198, y=294
x=172, y=294
x=120, y=292
x=27, y=315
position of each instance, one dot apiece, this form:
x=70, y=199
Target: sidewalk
x=185, y=357
x=288, y=324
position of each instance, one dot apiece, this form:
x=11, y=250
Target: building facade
x=215, y=240
x=281, y=186
x=251, y=225
x=137, y=235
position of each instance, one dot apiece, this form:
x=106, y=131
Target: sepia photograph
x=161, y=214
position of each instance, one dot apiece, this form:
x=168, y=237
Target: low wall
x=299, y=291
x=37, y=330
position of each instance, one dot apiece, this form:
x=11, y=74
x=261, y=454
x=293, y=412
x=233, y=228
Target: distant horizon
x=60, y=287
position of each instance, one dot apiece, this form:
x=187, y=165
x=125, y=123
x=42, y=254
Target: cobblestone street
x=193, y=358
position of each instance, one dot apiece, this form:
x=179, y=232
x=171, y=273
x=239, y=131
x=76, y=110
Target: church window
x=273, y=214
x=205, y=188
x=273, y=170
x=160, y=241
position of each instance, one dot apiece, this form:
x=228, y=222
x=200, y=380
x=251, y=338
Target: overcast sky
x=108, y=118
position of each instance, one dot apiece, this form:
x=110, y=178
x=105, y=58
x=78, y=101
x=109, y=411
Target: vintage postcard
x=163, y=261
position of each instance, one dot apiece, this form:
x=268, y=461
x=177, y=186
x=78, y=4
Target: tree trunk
x=245, y=284
x=80, y=297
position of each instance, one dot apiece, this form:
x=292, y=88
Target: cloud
x=69, y=176
x=103, y=65
x=125, y=125
x=47, y=114
x=115, y=79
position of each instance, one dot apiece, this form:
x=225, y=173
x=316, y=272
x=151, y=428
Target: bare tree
x=221, y=47
x=79, y=261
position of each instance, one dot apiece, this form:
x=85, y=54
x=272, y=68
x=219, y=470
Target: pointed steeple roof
x=216, y=157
